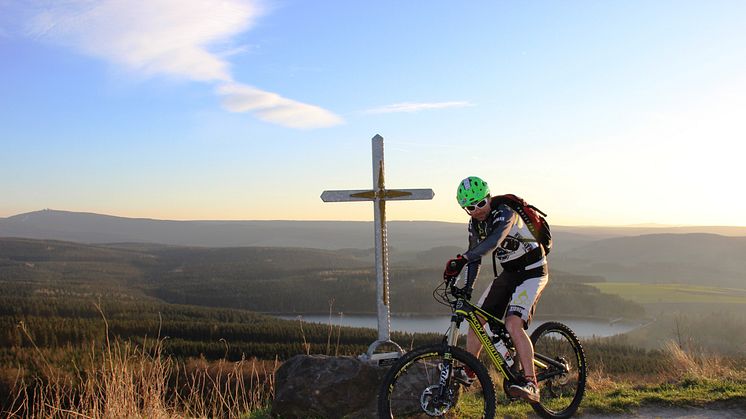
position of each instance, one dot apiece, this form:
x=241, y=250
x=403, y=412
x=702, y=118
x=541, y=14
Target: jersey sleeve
x=473, y=265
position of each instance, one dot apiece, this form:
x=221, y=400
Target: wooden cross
x=379, y=195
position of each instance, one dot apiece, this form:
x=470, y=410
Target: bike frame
x=464, y=309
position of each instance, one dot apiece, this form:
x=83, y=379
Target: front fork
x=445, y=373
x=453, y=332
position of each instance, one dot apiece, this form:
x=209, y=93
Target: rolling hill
x=697, y=255
x=406, y=236
x=694, y=258
x=95, y=228
x=264, y=279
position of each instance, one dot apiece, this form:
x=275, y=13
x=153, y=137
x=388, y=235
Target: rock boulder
x=325, y=386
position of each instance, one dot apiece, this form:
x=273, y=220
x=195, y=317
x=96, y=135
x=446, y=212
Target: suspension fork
x=450, y=341
x=453, y=332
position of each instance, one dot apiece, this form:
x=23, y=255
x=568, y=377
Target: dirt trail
x=709, y=412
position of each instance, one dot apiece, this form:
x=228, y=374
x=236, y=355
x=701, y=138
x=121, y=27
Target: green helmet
x=471, y=190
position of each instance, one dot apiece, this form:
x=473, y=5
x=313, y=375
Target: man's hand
x=454, y=266
x=460, y=292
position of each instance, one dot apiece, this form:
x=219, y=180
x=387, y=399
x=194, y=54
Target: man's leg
x=517, y=319
x=523, y=345
x=494, y=300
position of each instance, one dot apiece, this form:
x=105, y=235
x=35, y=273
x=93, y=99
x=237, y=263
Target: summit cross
x=379, y=195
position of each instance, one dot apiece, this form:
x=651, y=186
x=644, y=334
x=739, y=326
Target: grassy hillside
x=674, y=293
x=699, y=317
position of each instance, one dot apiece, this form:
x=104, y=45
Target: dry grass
x=598, y=380
x=677, y=364
x=692, y=362
x=124, y=380
x=119, y=379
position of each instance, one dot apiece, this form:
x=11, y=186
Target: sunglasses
x=479, y=204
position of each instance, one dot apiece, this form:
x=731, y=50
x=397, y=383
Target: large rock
x=320, y=386
x=324, y=386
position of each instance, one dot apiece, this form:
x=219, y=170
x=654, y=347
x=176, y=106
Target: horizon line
x=625, y=226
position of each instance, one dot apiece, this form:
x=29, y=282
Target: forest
x=262, y=279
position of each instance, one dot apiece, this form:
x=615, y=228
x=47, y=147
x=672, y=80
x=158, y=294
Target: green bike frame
x=465, y=310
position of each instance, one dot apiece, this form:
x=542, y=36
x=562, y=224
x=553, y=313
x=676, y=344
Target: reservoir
x=584, y=328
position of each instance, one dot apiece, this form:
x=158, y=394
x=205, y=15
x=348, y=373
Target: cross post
x=379, y=195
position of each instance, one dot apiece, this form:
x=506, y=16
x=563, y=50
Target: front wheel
x=411, y=388
x=562, y=380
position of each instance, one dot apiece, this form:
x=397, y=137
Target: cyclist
x=514, y=293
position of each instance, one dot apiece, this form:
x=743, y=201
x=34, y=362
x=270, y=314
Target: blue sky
x=602, y=113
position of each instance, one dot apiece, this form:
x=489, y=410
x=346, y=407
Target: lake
x=438, y=324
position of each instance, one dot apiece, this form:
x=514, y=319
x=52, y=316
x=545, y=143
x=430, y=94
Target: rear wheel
x=561, y=383
x=411, y=387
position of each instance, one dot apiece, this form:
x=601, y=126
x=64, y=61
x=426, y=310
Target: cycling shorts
x=510, y=294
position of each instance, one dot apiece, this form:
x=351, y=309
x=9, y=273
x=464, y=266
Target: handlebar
x=458, y=292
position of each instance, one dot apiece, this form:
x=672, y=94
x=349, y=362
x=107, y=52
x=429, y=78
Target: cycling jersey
x=525, y=274
x=504, y=230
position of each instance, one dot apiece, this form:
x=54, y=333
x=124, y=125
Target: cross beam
x=379, y=195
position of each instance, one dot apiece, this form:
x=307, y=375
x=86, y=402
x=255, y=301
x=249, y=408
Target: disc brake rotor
x=430, y=403
x=562, y=379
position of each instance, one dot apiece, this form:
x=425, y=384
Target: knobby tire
x=403, y=386
x=560, y=395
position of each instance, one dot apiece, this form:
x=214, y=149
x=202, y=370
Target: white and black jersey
x=505, y=232
x=525, y=273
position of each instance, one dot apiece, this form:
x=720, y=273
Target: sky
x=597, y=112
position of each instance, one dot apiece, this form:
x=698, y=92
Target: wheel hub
x=563, y=378
x=432, y=404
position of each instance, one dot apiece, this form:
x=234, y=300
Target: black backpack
x=532, y=216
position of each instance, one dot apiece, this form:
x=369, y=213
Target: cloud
x=154, y=37
x=274, y=108
x=417, y=107
x=174, y=38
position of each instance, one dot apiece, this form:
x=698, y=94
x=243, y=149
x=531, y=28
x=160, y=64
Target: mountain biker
x=516, y=290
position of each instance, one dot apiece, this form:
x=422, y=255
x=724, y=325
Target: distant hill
x=404, y=236
x=695, y=258
x=264, y=279
x=96, y=228
x=706, y=255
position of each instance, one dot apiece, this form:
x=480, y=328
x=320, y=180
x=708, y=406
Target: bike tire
x=415, y=375
x=560, y=395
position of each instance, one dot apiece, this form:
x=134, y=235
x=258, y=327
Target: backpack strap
x=543, y=214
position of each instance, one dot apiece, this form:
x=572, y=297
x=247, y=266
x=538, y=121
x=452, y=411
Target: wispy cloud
x=274, y=108
x=418, y=107
x=175, y=38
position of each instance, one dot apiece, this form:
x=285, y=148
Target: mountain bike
x=423, y=382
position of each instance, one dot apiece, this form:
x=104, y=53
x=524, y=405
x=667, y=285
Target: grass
x=690, y=391
x=672, y=293
x=685, y=378
x=128, y=382
x=123, y=380
x=626, y=397
x=120, y=379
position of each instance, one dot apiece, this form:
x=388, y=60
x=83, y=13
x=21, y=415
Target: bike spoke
x=414, y=391
x=563, y=380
